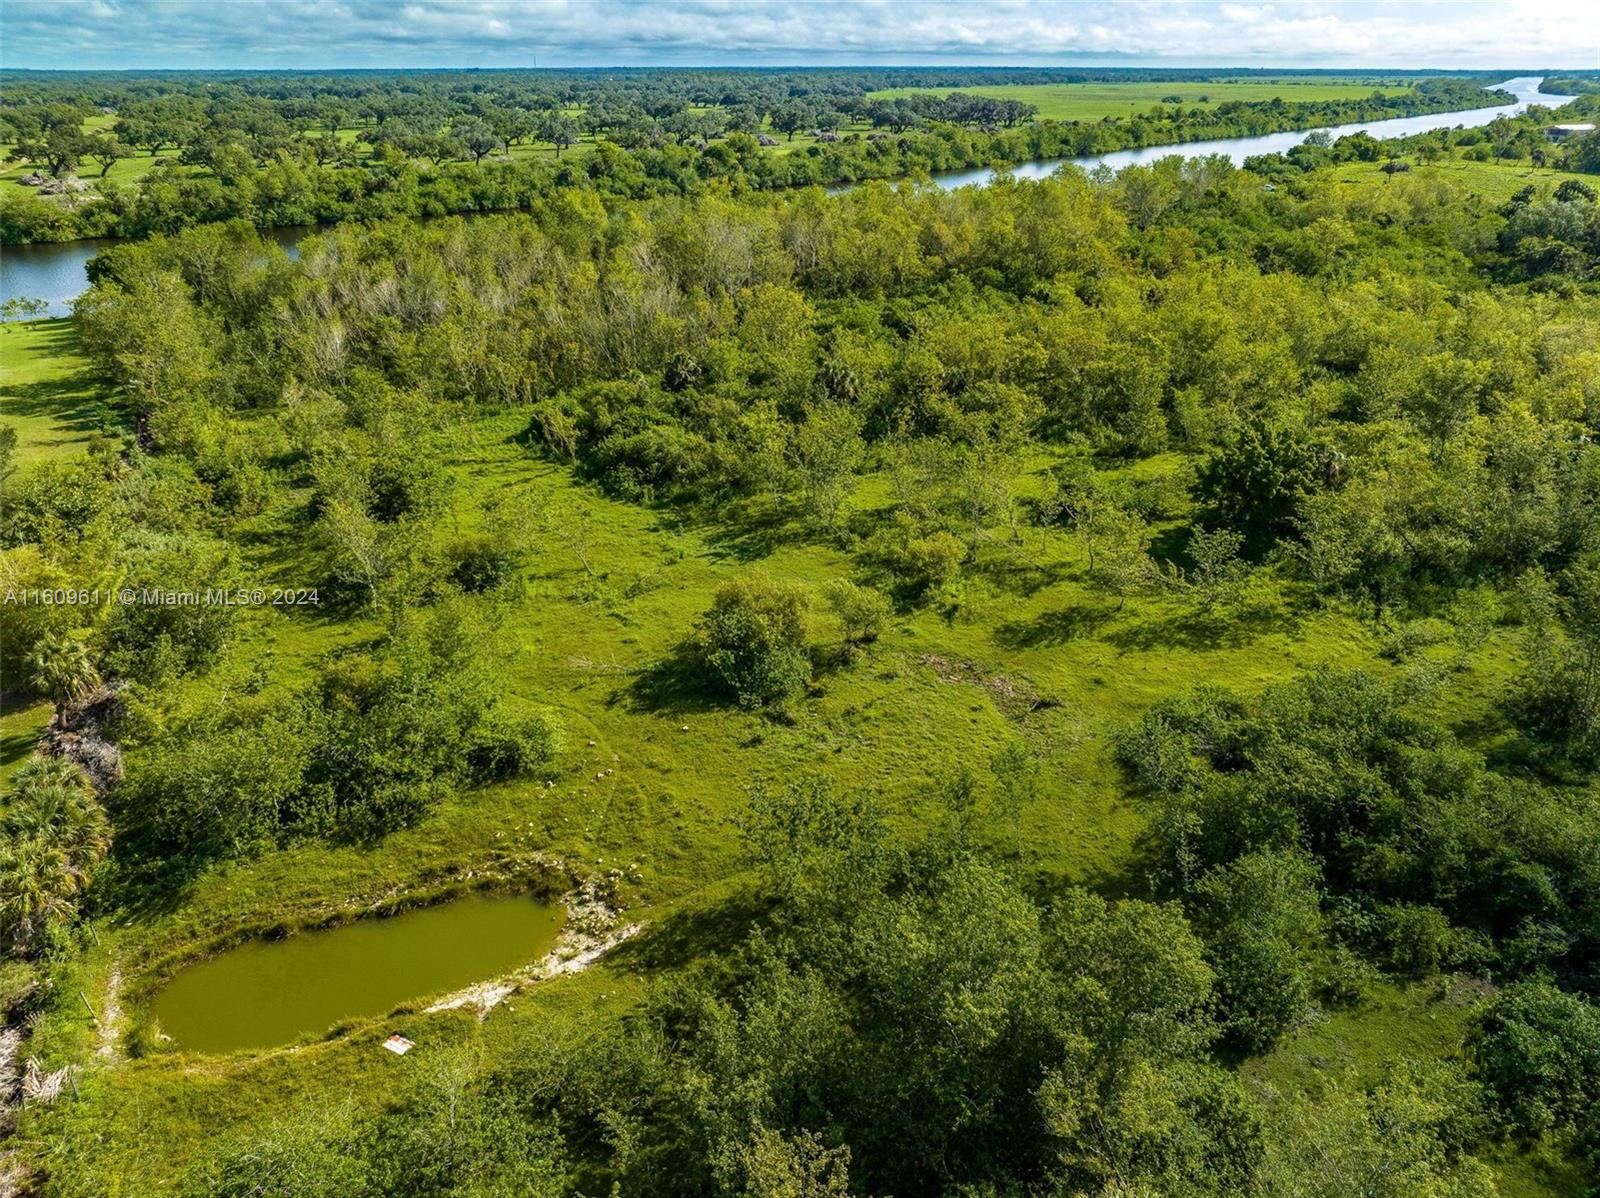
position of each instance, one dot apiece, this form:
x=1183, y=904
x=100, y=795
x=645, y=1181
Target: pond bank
x=264, y=993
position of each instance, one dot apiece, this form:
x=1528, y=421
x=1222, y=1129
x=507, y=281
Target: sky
x=313, y=34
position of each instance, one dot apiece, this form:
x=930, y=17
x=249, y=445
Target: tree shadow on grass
x=1051, y=628
x=74, y=402
x=677, y=684
x=16, y=747
x=744, y=529
x=1019, y=576
x=1202, y=630
x=750, y=541
x=145, y=884
x=688, y=936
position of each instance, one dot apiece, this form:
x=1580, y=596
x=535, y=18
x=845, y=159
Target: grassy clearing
x=1355, y=1047
x=1495, y=181
x=1097, y=101
x=46, y=391
x=123, y=170
x=22, y=722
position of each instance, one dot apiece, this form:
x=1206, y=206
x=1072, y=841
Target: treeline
x=1505, y=139
x=372, y=95
x=1571, y=85
x=259, y=167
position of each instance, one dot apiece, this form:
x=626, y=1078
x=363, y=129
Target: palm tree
x=63, y=670
x=52, y=835
x=37, y=889
x=53, y=799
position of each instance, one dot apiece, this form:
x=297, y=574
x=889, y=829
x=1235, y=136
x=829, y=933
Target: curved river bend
x=1524, y=87
x=56, y=272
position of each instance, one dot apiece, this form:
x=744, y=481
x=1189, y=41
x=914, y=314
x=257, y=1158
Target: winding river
x=56, y=272
x=1525, y=88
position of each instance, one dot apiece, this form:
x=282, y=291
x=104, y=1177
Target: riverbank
x=56, y=272
x=274, y=196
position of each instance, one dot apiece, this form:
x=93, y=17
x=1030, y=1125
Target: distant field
x=124, y=170
x=1096, y=101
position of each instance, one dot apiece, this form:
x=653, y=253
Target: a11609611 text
x=159, y=597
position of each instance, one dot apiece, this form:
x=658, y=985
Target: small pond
x=269, y=992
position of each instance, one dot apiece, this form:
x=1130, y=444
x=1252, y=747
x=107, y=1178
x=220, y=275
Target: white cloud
x=1522, y=34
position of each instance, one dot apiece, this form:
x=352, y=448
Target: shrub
x=754, y=638
x=862, y=611
x=152, y=641
x=1538, y=1048
x=221, y=789
x=29, y=624
x=931, y=561
x=1418, y=940
x=1258, y=917
x=505, y=747
x=57, y=502
x=1257, y=482
x=481, y=564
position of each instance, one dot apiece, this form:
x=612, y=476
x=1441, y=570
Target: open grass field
x=1096, y=101
x=1495, y=181
x=124, y=170
x=46, y=391
x=654, y=777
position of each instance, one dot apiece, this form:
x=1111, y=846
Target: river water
x=56, y=271
x=1525, y=88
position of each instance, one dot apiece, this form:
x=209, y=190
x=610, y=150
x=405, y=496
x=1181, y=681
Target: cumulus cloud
x=1522, y=34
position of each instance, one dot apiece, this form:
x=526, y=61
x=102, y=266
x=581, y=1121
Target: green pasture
x=46, y=391
x=1496, y=180
x=1097, y=101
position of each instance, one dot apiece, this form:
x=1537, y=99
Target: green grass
x=22, y=722
x=935, y=695
x=1496, y=181
x=47, y=392
x=1096, y=101
x=1354, y=1046
x=123, y=170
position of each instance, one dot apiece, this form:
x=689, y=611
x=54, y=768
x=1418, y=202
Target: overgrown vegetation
x=1130, y=622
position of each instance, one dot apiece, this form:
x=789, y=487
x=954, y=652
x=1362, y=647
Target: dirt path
x=110, y=1021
